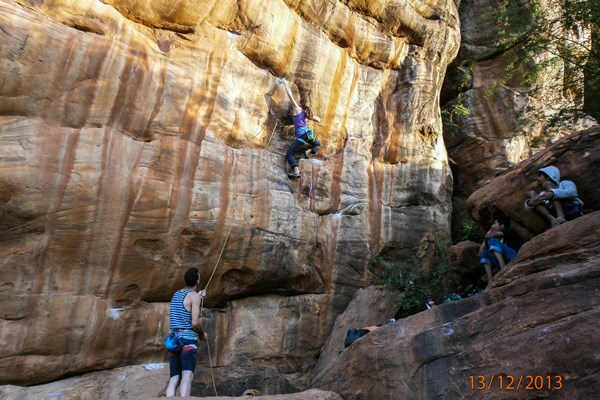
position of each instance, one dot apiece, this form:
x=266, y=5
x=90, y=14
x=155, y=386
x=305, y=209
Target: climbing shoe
x=294, y=175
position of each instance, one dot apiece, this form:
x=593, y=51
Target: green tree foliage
x=471, y=230
x=554, y=32
x=411, y=283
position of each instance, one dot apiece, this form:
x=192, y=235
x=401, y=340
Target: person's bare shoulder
x=194, y=296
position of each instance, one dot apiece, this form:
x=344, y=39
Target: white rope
x=271, y=137
x=202, y=308
x=219, y=259
x=211, y=369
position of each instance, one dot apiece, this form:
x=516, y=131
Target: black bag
x=353, y=335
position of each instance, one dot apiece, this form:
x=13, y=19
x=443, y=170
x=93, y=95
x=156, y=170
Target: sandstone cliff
x=136, y=143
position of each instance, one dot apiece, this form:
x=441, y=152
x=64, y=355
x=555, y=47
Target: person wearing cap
x=304, y=138
x=558, y=201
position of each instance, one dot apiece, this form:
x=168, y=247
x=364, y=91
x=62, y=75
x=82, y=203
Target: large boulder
x=139, y=382
x=531, y=336
x=136, y=142
x=371, y=306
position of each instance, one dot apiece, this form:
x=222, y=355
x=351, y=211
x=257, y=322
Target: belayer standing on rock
x=184, y=318
x=305, y=139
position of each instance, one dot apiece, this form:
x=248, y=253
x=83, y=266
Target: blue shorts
x=494, y=245
x=184, y=360
x=571, y=211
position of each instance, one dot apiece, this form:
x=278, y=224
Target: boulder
x=531, y=336
x=141, y=382
x=371, y=306
x=464, y=255
x=464, y=258
x=504, y=121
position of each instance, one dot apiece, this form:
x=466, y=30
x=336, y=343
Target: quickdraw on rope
x=308, y=190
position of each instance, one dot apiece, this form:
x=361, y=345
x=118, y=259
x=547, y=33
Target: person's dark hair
x=191, y=276
x=308, y=111
x=503, y=220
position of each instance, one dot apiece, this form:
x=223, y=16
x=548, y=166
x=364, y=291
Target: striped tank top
x=180, y=319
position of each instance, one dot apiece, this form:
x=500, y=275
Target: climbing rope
x=211, y=369
x=202, y=308
x=219, y=259
x=271, y=137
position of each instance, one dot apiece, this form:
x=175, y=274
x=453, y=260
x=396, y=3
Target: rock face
x=505, y=128
x=538, y=322
x=136, y=143
x=142, y=382
x=369, y=307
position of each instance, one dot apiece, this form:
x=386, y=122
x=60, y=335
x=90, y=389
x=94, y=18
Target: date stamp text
x=515, y=382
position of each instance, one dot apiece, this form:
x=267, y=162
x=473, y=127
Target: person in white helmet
x=558, y=201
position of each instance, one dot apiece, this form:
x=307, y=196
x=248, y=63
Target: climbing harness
x=305, y=131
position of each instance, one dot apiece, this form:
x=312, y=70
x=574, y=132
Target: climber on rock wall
x=305, y=139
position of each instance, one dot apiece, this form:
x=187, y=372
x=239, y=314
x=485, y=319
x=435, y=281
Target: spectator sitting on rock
x=558, y=201
x=500, y=246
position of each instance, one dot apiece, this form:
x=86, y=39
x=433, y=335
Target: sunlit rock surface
x=135, y=143
x=369, y=307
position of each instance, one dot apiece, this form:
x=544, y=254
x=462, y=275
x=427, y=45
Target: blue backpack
x=173, y=342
